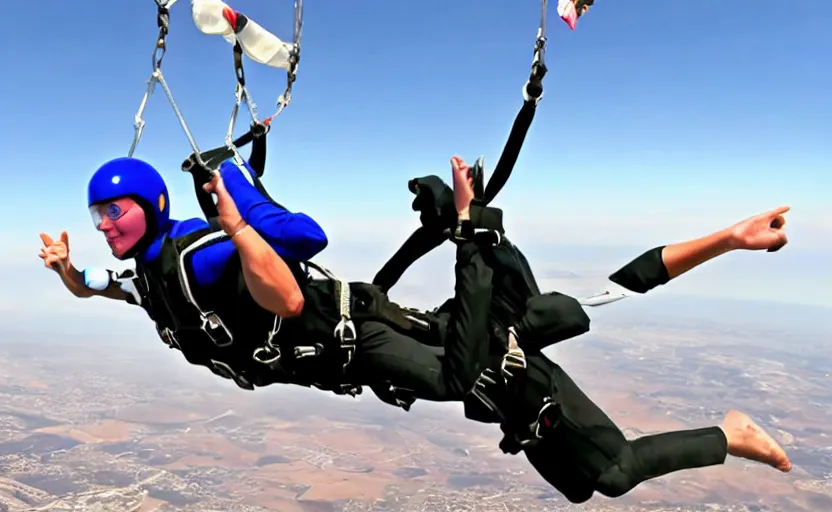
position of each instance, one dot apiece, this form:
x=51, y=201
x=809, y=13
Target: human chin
x=120, y=246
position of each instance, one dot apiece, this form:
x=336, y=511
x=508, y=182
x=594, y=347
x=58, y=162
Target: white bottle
x=209, y=19
x=262, y=46
x=213, y=17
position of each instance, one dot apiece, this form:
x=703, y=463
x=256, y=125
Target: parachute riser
x=533, y=89
x=294, y=61
x=240, y=94
x=163, y=22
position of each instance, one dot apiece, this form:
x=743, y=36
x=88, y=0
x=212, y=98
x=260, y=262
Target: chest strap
x=210, y=323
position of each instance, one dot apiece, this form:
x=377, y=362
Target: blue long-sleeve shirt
x=294, y=236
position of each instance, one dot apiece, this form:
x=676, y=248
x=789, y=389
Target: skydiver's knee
x=620, y=478
x=572, y=483
x=615, y=483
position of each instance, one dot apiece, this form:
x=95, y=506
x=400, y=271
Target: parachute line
x=163, y=21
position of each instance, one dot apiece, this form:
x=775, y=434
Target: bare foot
x=747, y=440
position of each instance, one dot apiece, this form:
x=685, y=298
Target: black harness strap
x=532, y=94
x=256, y=136
x=511, y=151
x=421, y=242
x=437, y=212
x=434, y=200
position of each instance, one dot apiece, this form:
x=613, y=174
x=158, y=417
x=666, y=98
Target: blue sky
x=661, y=121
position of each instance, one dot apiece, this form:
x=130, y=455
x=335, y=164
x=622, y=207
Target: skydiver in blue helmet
x=129, y=204
x=232, y=294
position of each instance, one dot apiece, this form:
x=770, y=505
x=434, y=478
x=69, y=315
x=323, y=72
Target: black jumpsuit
x=385, y=354
x=444, y=369
x=586, y=452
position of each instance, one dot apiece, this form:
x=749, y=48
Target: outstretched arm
x=82, y=284
x=662, y=264
x=94, y=282
x=292, y=235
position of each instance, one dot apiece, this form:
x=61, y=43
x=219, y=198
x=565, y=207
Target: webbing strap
x=427, y=238
x=421, y=242
x=511, y=151
x=212, y=159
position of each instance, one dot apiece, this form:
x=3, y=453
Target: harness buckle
x=515, y=359
x=346, y=334
x=215, y=328
x=395, y=396
x=302, y=351
x=518, y=439
x=169, y=338
x=349, y=389
x=267, y=355
x=485, y=379
x=223, y=370
x=547, y=419
x=487, y=392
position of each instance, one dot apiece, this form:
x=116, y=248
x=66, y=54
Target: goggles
x=112, y=211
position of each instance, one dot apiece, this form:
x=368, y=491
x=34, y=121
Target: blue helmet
x=136, y=179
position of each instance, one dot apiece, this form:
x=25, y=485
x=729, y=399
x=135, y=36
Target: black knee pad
x=616, y=482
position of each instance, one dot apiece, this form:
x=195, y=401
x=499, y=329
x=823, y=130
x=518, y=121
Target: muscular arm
x=661, y=264
x=268, y=278
x=292, y=235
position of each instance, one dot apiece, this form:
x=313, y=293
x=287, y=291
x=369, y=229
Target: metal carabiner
x=515, y=358
x=346, y=333
x=266, y=355
x=163, y=20
x=547, y=419
x=345, y=330
x=269, y=348
x=159, y=50
x=285, y=99
x=533, y=89
x=240, y=94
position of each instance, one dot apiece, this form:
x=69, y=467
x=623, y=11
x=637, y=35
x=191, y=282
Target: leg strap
x=495, y=398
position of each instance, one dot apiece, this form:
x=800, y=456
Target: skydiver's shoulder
x=181, y=228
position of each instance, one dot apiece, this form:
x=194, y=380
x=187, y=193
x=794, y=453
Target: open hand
x=55, y=253
x=463, y=186
x=229, y=216
x=764, y=231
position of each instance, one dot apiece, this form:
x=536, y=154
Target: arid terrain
x=84, y=426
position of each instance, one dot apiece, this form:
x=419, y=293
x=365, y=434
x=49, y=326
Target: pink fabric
x=568, y=12
x=125, y=230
